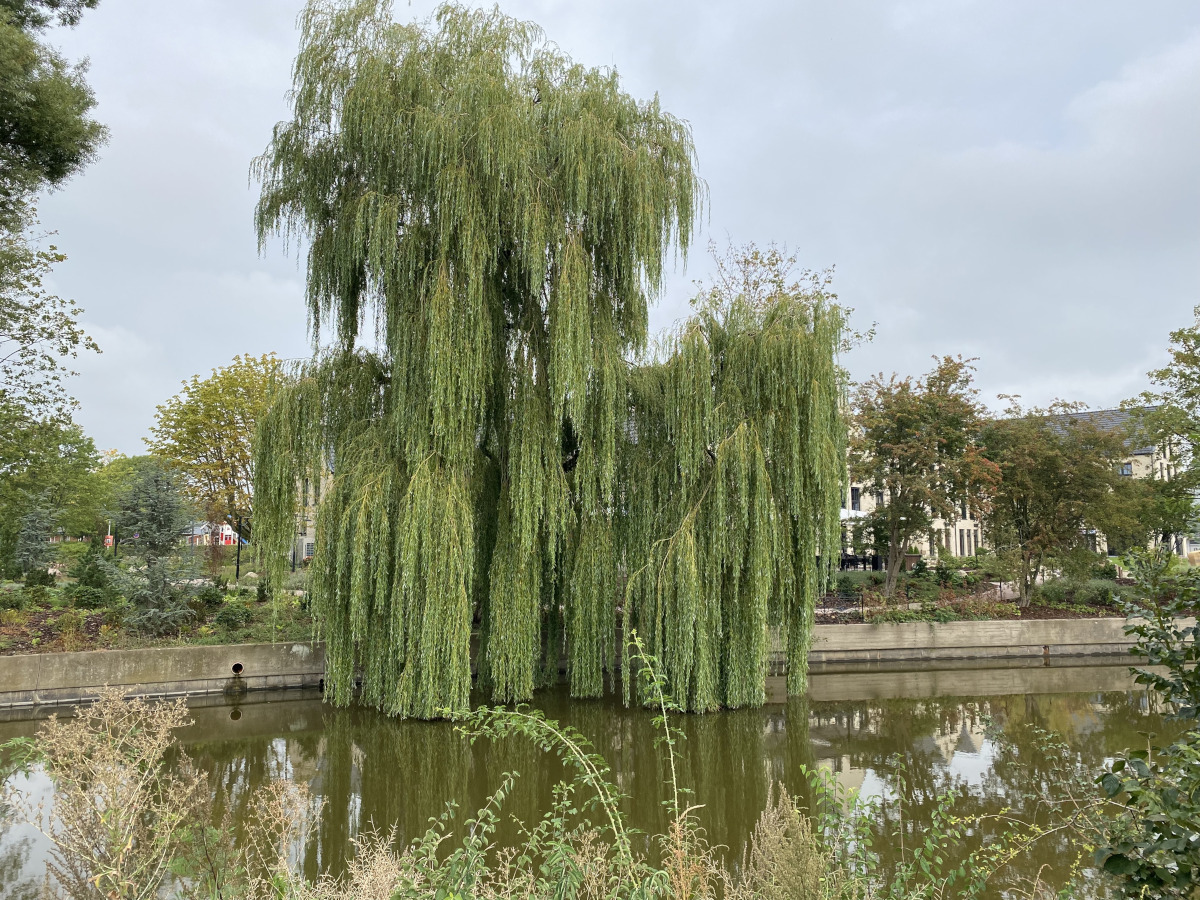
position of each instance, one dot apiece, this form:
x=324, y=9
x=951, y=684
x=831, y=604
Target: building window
x=879, y=498
x=1125, y=469
x=962, y=542
x=309, y=549
x=976, y=540
x=856, y=499
x=963, y=509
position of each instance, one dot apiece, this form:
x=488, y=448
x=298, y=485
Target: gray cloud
x=1016, y=181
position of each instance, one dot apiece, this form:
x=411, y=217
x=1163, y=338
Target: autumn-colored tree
x=205, y=431
x=915, y=441
x=1058, y=481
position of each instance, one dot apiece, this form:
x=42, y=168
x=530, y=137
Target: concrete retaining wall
x=969, y=640
x=49, y=678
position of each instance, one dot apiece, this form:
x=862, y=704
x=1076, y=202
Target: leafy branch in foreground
x=1153, y=844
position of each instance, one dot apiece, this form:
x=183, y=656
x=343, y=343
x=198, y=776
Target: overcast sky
x=1016, y=181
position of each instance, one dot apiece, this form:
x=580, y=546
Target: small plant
x=233, y=615
x=210, y=597
x=13, y=599
x=11, y=618
x=39, y=578
x=38, y=595
x=86, y=597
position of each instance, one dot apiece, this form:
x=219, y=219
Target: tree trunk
x=1027, y=573
x=895, y=558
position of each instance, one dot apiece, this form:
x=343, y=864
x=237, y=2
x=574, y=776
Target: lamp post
x=237, y=566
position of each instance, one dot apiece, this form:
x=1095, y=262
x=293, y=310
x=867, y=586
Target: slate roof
x=1105, y=420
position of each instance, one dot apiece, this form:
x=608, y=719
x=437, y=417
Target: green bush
x=39, y=578
x=70, y=552
x=1096, y=592
x=90, y=569
x=233, y=615
x=1105, y=570
x=210, y=597
x=85, y=596
x=845, y=584
x=38, y=595
x=1054, y=591
x=10, y=599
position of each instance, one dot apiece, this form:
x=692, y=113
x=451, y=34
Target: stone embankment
x=46, y=678
x=52, y=678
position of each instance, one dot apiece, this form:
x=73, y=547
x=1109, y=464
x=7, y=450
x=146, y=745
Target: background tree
x=34, y=551
x=46, y=130
x=1168, y=417
x=54, y=465
x=916, y=443
x=206, y=432
x=46, y=135
x=502, y=215
x=38, y=330
x=1058, y=481
x=151, y=516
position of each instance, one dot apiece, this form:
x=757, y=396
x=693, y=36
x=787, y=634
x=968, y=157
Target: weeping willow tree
x=734, y=469
x=486, y=222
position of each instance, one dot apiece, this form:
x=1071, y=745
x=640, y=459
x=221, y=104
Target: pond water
x=372, y=771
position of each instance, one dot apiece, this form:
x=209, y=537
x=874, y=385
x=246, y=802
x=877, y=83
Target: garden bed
x=52, y=625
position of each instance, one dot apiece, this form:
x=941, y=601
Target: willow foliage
x=491, y=219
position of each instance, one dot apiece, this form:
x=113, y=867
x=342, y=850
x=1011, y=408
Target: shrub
x=11, y=617
x=89, y=571
x=263, y=591
x=68, y=624
x=39, y=578
x=1151, y=844
x=1054, y=591
x=210, y=597
x=39, y=595
x=13, y=599
x=845, y=584
x=87, y=597
x=1096, y=592
x=1105, y=570
x=118, y=806
x=233, y=615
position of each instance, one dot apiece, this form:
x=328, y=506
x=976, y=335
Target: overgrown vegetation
x=1153, y=845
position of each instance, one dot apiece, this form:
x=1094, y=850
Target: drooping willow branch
x=508, y=453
